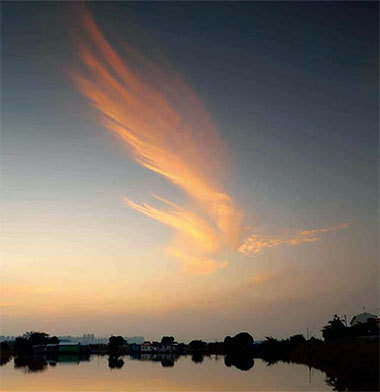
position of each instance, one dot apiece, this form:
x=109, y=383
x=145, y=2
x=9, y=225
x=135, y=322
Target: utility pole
x=307, y=333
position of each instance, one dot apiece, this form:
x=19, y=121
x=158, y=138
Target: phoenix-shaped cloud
x=167, y=130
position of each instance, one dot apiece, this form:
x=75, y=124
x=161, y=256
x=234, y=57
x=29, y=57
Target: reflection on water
x=242, y=362
x=31, y=364
x=39, y=363
x=166, y=360
x=197, y=357
x=4, y=359
x=155, y=372
x=114, y=362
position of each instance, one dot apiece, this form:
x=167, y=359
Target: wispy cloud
x=189, y=225
x=256, y=243
x=168, y=131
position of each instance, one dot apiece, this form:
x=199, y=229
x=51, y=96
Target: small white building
x=146, y=347
x=362, y=318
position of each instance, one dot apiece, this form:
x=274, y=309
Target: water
x=162, y=374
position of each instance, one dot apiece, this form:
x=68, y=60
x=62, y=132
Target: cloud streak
x=256, y=243
x=167, y=130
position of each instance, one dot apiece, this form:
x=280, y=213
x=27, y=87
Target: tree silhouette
x=197, y=345
x=167, y=340
x=37, y=338
x=116, y=341
x=115, y=344
x=296, y=340
x=53, y=340
x=334, y=330
x=242, y=342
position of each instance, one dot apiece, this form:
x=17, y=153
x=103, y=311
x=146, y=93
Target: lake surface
x=165, y=373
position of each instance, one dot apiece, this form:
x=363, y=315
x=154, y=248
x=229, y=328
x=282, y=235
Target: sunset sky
x=193, y=169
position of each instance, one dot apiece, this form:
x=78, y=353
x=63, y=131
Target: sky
x=194, y=169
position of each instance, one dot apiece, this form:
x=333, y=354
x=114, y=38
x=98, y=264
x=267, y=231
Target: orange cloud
x=188, y=224
x=167, y=131
x=254, y=244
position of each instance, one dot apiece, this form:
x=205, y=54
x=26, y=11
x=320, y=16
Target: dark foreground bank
x=348, y=366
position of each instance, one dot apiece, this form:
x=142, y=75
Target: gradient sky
x=279, y=103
